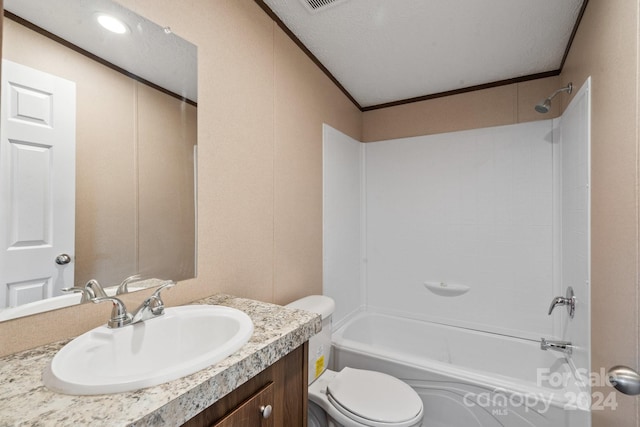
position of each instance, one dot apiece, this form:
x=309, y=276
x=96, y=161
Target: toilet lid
x=375, y=396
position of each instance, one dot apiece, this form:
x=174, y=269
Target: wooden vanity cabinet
x=282, y=385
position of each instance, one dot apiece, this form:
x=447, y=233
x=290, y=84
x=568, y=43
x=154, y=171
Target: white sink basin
x=184, y=340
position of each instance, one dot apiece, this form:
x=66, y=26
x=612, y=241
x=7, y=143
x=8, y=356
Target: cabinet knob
x=266, y=411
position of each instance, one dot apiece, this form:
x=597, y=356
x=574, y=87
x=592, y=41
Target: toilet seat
x=353, y=397
x=367, y=398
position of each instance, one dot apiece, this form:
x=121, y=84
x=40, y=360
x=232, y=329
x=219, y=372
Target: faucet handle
x=123, y=288
x=87, y=294
x=96, y=288
x=155, y=301
x=166, y=284
x=119, y=315
x=556, y=302
x=153, y=306
x=569, y=300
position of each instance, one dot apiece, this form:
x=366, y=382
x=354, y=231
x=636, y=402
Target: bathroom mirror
x=134, y=201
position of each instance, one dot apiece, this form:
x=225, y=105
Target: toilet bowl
x=352, y=397
x=316, y=416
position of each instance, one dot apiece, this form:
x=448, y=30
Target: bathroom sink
x=184, y=340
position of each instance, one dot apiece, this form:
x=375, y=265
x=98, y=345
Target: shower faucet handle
x=556, y=302
x=569, y=300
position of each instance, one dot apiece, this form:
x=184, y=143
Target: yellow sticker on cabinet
x=319, y=365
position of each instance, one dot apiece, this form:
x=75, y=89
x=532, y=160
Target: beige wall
x=503, y=105
x=261, y=106
x=166, y=130
x=606, y=48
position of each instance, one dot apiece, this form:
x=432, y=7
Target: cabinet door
x=253, y=412
x=286, y=381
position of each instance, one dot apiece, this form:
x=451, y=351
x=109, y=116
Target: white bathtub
x=466, y=378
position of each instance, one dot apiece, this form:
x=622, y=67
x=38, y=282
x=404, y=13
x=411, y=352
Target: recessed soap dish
x=446, y=289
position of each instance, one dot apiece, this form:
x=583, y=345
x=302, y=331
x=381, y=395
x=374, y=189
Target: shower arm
x=568, y=89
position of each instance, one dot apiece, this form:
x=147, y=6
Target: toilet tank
x=319, y=344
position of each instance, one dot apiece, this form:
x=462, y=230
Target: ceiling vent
x=318, y=5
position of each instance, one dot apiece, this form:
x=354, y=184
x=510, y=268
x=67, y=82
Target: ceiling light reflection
x=112, y=24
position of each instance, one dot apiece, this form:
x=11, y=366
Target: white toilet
x=352, y=397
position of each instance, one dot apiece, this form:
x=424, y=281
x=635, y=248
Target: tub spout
x=562, y=346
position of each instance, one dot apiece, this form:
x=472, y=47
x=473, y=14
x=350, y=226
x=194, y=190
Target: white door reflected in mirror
x=37, y=184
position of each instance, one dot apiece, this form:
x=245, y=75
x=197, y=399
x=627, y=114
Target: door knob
x=625, y=380
x=63, y=259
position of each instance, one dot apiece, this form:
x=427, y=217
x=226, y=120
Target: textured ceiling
x=385, y=51
x=146, y=51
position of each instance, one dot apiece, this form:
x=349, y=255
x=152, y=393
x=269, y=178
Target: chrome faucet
x=562, y=346
x=90, y=291
x=94, y=287
x=119, y=315
x=123, y=288
x=87, y=294
x=150, y=308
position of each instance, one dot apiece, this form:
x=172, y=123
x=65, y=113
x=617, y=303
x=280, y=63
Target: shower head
x=545, y=105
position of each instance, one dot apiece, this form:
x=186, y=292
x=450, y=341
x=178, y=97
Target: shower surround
x=478, y=229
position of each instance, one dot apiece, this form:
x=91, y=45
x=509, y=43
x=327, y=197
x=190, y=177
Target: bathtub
x=466, y=378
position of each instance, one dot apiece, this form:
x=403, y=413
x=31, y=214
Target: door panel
x=37, y=184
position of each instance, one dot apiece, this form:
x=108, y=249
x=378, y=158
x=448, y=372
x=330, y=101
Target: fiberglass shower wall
x=462, y=228
x=459, y=228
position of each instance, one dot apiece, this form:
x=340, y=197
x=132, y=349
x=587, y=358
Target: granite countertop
x=25, y=401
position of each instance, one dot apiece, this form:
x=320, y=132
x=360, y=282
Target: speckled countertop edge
x=25, y=401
